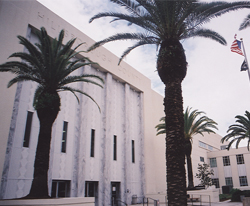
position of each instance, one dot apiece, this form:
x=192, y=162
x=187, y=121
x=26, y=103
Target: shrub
x=236, y=193
x=224, y=197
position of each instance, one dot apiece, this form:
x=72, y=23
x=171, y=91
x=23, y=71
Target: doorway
x=115, y=193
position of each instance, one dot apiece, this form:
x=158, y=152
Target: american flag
x=236, y=47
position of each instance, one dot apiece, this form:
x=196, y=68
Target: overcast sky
x=214, y=83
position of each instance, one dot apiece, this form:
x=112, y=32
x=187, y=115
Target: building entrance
x=115, y=193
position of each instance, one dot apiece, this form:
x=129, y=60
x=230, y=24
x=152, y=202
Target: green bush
x=236, y=193
x=233, y=190
x=224, y=197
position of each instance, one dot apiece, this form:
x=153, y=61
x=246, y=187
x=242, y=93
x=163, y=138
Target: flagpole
x=245, y=58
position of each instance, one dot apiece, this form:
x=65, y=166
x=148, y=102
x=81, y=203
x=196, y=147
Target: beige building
x=105, y=153
x=89, y=164
x=230, y=168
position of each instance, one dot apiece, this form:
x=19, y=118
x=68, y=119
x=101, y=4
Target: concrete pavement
x=225, y=203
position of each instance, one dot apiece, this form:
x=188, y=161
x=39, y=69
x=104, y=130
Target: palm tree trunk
x=175, y=156
x=171, y=66
x=46, y=116
x=190, y=172
x=188, y=151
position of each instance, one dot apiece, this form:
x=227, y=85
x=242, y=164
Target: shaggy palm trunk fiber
x=46, y=116
x=171, y=66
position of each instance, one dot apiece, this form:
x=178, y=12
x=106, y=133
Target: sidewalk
x=225, y=203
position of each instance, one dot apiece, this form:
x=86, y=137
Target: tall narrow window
x=64, y=136
x=213, y=162
x=243, y=181
x=26, y=139
x=92, y=143
x=229, y=181
x=133, y=151
x=240, y=159
x=226, y=161
x=114, y=148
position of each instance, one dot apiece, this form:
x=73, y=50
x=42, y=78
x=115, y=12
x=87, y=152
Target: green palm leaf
x=238, y=132
x=50, y=64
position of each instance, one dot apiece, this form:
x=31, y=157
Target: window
x=240, y=159
x=92, y=143
x=223, y=147
x=133, y=151
x=91, y=189
x=210, y=148
x=215, y=181
x=229, y=181
x=202, y=159
x=114, y=148
x=226, y=161
x=202, y=144
x=26, y=139
x=64, y=136
x=60, y=188
x=213, y=162
x=243, y=181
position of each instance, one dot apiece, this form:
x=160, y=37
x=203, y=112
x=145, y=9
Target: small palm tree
x=238, y=132
x=192, y=126
x=165, y=23
x=50, y=64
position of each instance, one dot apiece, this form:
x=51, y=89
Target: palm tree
x=50, y=64
x=238, y=131
x=192, y=127
x=165, y=23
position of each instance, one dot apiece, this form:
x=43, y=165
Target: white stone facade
x=130, y=109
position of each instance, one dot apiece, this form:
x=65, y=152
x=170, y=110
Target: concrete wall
x=233, y=170
x=198, y=151
x=87, y=201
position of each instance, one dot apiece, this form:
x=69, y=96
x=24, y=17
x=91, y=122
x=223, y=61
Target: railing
x=150, y=200
x=195, y=199
x=121, y=202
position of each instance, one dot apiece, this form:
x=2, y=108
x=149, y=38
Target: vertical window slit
x=92, y=143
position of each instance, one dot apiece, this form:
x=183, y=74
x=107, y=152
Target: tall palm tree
x=165, y=23
x=192, y=127
x=238, y=131
x=195, y=124
x=50, y=64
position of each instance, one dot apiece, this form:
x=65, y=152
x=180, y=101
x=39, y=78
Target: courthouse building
x=101, y=154
x=112, y=154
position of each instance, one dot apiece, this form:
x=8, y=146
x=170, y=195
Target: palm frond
x=50, y=64
x=73, y=90
x=81, y=78
x=207, y=33
x=145, y=41
x=120, y=36
x=245, y=23
x=239, y=131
